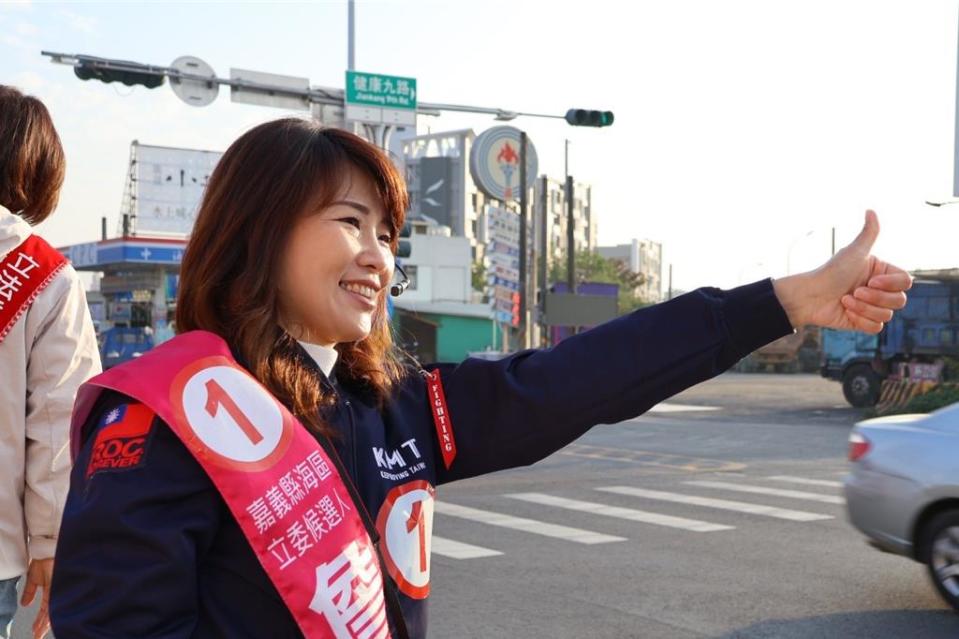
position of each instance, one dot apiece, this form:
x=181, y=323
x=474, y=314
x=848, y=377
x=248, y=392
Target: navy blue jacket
x=151, y=550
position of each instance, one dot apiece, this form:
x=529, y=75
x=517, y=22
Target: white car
x=903, y=491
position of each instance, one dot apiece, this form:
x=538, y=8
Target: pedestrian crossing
x=723, y=504
x=459, y=550
x=822, y=493
x=811, y=482
x=762, y=490
x=628, y=514
x=557, y=531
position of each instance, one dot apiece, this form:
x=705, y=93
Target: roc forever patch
x=121, y=441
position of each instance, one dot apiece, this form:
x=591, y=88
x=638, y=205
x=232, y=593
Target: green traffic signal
x=586, y=117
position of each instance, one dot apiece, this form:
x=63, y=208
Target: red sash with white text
x=281, y=486
x=24, y=272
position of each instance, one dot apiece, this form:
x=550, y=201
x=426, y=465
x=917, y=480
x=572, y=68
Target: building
x=139, y=278
x=441, y=189
x=438, y=317
x=585, y=226
x=644, y=257
x=439, y=183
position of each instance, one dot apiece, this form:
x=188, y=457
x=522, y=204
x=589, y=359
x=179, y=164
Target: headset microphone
x=397, y=289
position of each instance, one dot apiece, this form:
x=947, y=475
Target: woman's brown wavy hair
x=269, y=177
x=32, y=164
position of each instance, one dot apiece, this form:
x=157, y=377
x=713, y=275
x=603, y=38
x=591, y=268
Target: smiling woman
x=295, y=216
x=270, y=471
x=336, y=264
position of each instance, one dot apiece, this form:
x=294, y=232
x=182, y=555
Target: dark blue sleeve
x=518, y=410
x=131, y=539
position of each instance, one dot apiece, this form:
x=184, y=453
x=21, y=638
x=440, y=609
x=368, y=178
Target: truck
x=123, y=343
x=796, y=353
x=912, y=345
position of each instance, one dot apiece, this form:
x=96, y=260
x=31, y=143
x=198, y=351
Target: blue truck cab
x=926, y=330
x=123, y=343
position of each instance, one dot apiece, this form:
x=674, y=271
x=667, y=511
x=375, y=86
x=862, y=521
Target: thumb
x=29, y=592
x=867, y=236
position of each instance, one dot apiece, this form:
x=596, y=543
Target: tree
x=478, y=276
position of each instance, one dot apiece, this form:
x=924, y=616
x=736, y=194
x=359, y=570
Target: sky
x=745, y=130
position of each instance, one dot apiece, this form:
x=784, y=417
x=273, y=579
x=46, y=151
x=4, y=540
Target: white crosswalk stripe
x=458, y=550
x=723, y=504
x=810, y=482
x=452, y=549
x=620, y=513
x=762, y=490
x=680, y=408
x=566, y=533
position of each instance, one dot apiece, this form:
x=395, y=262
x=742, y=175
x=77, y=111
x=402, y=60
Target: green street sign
x=382, y=91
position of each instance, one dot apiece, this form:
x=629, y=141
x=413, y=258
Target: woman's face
x=336, y=266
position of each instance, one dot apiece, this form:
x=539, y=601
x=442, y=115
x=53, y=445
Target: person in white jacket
x=47, y=349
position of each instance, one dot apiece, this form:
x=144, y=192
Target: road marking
x=649, y=458
x=459, y=550
x=737, y=506
x=620, y=513
x=577, y=535
x=762, y=490
x=680, y=408
x=811, y=482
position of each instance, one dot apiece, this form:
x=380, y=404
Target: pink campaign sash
x=279, y=483
x=24, y=272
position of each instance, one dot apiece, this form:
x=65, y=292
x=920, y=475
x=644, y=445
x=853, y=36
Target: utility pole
x=543, y=257
x=351, y=39
x=523, y=222
x=570, y=238
x=570, y=242
x=955, y=165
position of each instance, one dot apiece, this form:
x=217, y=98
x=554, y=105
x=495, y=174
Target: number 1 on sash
x=216, y=397
x=417, y=520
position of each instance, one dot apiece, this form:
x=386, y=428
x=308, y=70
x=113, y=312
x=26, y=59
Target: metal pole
x=566, y=159
x=314, y=94
x=670, y=294
x=544, y=244
x=955, y=164
x=833, y=241
x=523, y=214
x=351, y=38
x=103, y=228
x=570, y=237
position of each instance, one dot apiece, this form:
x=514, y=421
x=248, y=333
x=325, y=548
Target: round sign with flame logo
x=494, y=163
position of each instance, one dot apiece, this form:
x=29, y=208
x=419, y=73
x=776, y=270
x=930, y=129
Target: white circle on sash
x=231, y=414
x=405, y=522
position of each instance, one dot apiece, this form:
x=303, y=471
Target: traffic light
x=89, y=68
x=404, y=247
x=585, y=117
x=515, y=310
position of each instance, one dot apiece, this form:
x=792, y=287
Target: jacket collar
x=324, y=356
x=329, y=383
x=13, y=231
